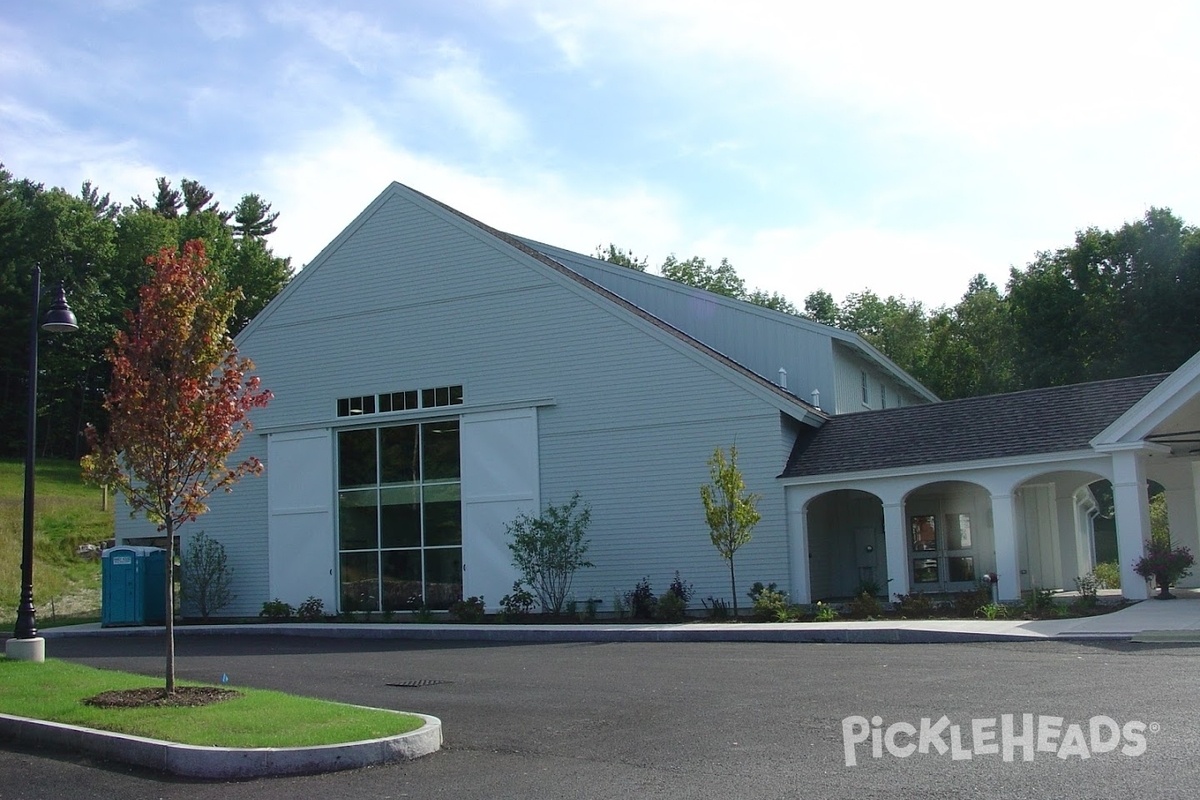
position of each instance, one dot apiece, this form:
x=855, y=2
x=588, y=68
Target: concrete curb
x=1167, y=637
x=224, y=763
x=830, y=633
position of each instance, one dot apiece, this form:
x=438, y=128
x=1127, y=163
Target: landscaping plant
x=670, y=607
x=641, y=601
x=550, y=548
x=518, y=603
x=177, y=404
x=1166, y=565
x=205, y=575
x=729, y=510
x=311, y=610
x=276, y=609
x=866, y=605
x=468, y=610
x=770, y=604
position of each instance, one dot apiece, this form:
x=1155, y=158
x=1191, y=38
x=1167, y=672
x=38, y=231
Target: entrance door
x=942, y=552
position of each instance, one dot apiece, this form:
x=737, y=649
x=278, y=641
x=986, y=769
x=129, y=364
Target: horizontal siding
x=236, y=519
x=647, y=516
x=411, y=300
x=849, y=368
x=760, y=340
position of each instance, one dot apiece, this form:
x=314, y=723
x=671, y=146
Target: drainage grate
x=417, y=683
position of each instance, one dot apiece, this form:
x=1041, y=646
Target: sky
x=901, y=147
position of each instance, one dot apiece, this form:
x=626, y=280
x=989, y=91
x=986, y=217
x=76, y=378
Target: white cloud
x=462, y=94
x=563, y=32
x=221, y=21
x=358, y=40
x=41, y=148
x=320, y=186
x=842, y=256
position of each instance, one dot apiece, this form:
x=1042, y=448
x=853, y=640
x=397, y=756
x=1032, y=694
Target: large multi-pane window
x=399, y=517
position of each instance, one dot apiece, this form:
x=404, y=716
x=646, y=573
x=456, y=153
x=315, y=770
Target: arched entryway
x=951, y=543
x=1055, y=528
x=846, y=548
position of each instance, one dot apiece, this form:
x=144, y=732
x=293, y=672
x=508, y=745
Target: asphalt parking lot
x=753, y=720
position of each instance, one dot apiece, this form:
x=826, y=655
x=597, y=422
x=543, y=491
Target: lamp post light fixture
x=26, y=645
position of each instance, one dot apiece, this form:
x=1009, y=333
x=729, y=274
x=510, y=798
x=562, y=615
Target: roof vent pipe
x=816, y=399
x=783, y=377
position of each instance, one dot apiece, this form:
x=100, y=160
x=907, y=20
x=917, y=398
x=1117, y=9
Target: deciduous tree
x=550, y=548
x=177, y=406
x=729, y=510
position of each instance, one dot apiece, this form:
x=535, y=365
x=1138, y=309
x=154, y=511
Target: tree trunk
x=170, y=595
x=733, y=587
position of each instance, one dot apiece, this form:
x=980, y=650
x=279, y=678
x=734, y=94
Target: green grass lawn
x=55, y=691
x=67, y=513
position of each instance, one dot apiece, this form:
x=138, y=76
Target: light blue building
x=433, y=377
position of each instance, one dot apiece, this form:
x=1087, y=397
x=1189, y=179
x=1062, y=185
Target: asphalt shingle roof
x=1054, y=420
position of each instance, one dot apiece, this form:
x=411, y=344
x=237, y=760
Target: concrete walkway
x=1150, y=620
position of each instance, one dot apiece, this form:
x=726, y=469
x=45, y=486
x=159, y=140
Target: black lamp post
x=59, y=319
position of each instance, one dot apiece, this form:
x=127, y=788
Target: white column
x=896, y=539
x=797, y=515
x=1133, y=519
x=1182, y=485
x=1071, y=562
x=1008, y=563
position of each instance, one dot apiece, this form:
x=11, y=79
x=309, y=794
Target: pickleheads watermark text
x=1009, y=737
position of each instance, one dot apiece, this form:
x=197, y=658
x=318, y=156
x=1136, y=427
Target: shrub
x=967, y=603
x=205, y=575
x=717, y=607
x=682, y=589
x=620, y=606
x=757, y=588
x=771, y=605
x=276, y=609
x=992, y=611
x=518, y=603
x=870, y=587
x=916, y=605
x=1108, y=575
x=670, y=607
x=866, y=605
x=641, y=600
x=826, y=613
x=1039, y=603
x=1165, y=564
x=468, y=610
x=311, y=610
x=1088, y=588
x=550, y=548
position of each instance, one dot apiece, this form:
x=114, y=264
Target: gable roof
x=801, y=407
x=786, y=401
x=1038, y=421
x=1168, y=414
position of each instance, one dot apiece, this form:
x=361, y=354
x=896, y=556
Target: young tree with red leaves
x=177, y=405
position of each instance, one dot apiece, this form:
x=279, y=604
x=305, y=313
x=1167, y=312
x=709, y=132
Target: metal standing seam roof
x=804, y=407
x=1037, y=421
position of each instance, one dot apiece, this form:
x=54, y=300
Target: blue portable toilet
x=132, y=586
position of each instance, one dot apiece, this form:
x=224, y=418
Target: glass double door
x=942, y=554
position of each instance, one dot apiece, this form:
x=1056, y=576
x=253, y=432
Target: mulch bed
x=187, y=696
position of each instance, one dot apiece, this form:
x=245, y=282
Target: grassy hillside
x=67, y=513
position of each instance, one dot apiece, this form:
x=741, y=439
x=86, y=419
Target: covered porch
x=876, y=501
